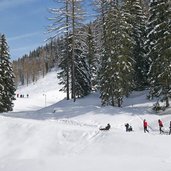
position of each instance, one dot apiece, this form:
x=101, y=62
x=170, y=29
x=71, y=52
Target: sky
x=24, y=22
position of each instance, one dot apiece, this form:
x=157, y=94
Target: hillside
x=65, y=135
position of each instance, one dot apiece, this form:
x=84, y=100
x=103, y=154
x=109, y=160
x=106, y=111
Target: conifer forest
x=118, y=47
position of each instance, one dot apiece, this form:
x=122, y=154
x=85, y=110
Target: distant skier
x=160, y=126
x=170, y=128
x=106, y=128
x=145, y=125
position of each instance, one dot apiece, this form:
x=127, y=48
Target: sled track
x=76, y=123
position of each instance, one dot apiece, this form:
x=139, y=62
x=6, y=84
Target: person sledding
x=145, y=125
x=160, y=126
x=105, y=128
x=128, y=127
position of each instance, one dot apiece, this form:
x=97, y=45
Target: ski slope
x=62, y=135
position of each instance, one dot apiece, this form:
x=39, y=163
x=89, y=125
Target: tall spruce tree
x=65, y=65
x=79, y=50
x=117, y=71
x=102, y=8
x=61, y=26
x=137, y=19
x=159, y=49
x=149, y=45
x=82, y=72
x=91, y=56
x=69, y=21
x=7, y=86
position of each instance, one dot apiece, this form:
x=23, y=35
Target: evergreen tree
x=69, y=21
x=150, y=42
x=61, y=25
x=79, y=50
x=159, y=49
x=65, y=65
x=91, y=56
x=7, y=87
x=82, y=73
x=117, y=71
x=136, y=18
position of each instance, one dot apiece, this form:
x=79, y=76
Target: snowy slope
x=64, y=135
x=47, y=87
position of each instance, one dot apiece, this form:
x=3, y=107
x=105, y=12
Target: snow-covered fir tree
x=79, y=50
x=137, y=19
x=61, y=26
x=159, y=49
x=64, y=64
x=82, y=72
x=69, y=19
x=7, y=86
x=150, y=43
x=92, y=56
x=117, y=69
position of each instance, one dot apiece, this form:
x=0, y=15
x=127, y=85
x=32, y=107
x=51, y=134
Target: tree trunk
x=73, y=50
x=167, y=101
x=67, y=50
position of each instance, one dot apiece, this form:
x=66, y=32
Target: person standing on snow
x=160, y=126
x=127, y=127
x=170, y=128
x=145, y=125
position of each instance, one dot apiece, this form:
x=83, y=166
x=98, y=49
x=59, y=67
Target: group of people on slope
x=22, y=95
x=160, y=123
x=145, y=126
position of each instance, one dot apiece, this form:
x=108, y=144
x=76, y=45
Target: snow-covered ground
x=65, y=135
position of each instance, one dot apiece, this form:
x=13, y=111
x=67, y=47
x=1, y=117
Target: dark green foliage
x=91, y=57
x=136, y=18
x=117, y=46
x=7, y=87
x=82, y=74
x=159, y=49
x=117, y=70
x=65, y=63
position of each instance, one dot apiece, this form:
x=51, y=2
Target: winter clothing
x=160, y=126
x=128, y=127
x=145, y=125
x=170, y=128
x=106, y=128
